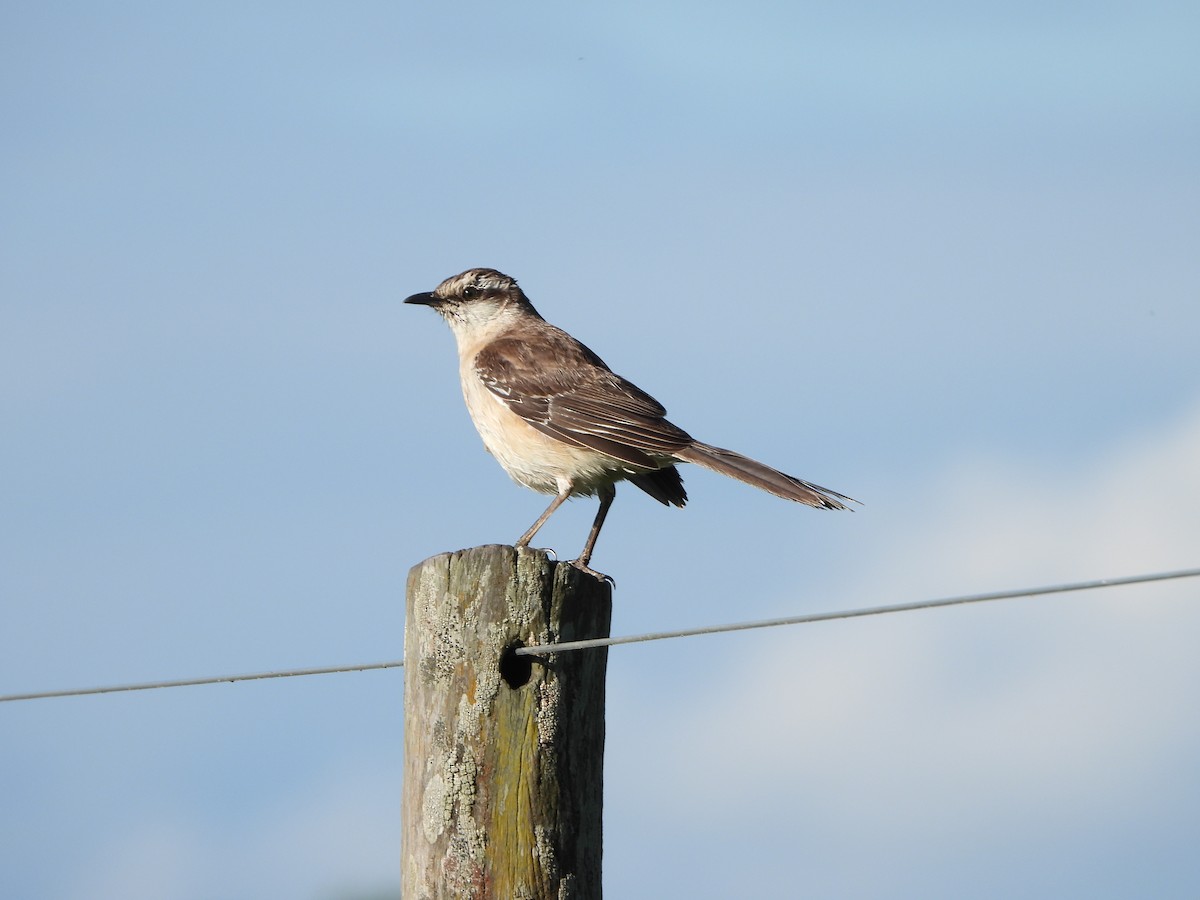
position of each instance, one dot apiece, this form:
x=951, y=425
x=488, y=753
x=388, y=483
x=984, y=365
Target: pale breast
x=531, y=458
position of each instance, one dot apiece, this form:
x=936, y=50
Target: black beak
x=425, y=299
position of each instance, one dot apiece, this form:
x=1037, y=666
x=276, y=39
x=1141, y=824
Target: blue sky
x=939, y=257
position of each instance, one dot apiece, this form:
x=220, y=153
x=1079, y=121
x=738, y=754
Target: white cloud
x=1021, y=716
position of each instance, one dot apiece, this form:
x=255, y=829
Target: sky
x=939, y=257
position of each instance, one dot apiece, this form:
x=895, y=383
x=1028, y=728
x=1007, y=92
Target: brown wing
x=564, y=390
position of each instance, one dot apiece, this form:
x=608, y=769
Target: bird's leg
x=607, y=494
x=563, y=493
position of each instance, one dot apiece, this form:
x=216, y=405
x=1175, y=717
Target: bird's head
x=475, y=300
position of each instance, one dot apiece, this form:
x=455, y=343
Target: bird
x=560, y=421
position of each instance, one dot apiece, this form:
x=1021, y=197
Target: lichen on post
x=503, y=754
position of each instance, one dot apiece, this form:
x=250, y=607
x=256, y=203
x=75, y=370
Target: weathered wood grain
x=503, y=783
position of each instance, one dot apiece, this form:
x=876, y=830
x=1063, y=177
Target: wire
x=851, y=613
x=541, y=649
x=185, y=682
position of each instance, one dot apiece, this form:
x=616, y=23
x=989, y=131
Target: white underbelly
x=531, y=458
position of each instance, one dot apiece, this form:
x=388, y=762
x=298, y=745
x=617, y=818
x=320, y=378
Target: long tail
x=745, y=469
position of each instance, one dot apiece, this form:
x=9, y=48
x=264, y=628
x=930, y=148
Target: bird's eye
x=470, y=291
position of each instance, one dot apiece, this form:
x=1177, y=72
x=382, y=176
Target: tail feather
x=664, y=485
x=754, y=473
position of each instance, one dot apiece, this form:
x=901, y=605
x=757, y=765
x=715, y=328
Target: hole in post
x=515, y=670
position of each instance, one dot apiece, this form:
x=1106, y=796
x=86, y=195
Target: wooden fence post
x=503, y=754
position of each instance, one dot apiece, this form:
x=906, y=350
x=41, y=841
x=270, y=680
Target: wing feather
x=564, y=390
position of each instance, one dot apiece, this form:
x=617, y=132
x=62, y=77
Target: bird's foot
x=582, y=566
x=549, y=551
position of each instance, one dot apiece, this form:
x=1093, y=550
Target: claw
x=549, y=551
x=588, y=570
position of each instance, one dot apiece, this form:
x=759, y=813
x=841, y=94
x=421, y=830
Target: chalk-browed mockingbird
x=561, y=422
